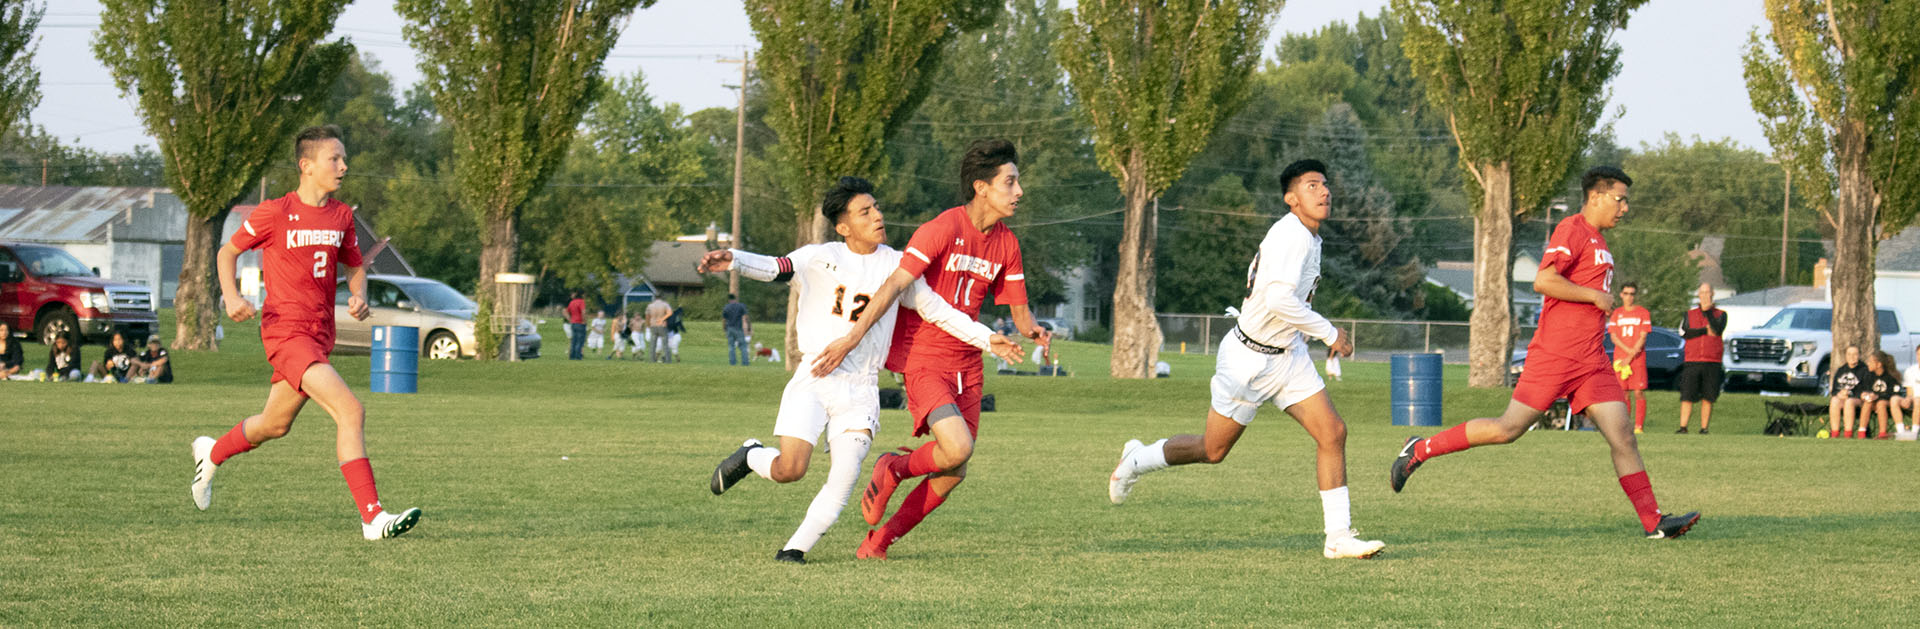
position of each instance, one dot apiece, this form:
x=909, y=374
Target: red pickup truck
x=48, y=292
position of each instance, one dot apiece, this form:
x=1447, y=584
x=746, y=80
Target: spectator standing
x=1701, y=374
x=154, y=364
x=622, y=335
x=10, y=359
x=1843, y=384
x=1883, y=386
x=116, y=362
x=63, y=359
x=657, y=314
x=676, y=328
x=597, y=332
x=1910, y=383
x=739, y=329
x=1629, y=325
x=576, y=326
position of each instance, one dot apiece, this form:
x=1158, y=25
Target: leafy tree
x=31, y=151
x=1715, y=187
x=1838, y=93
x=223, y=86
x=512, y=78
x=19, y=80
x=1521, y=86
x=845, y=77
x=1363, y=239
x=1156, y=79
x=1209, y=244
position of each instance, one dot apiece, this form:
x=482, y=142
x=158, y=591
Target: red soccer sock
x=232, y=443
x=359, y=475
x=920, y=502
x=1640, y=493
x=1640, y=416
x=1448, y=441
x=920, y=463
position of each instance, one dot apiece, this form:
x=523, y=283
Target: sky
x=1680, y=64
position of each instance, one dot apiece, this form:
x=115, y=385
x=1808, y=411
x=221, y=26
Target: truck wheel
x=57, y=322
x=442, y=345
x=1826, y=383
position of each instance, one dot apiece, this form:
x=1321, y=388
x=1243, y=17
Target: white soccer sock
x=1337, y=512
x=846, y=451
x=761, y=460
x=1150, y=458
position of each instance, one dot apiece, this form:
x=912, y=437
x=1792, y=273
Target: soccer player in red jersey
x=1629, y=326
x=303, y=238
x=963, y=254
x=1565, y=358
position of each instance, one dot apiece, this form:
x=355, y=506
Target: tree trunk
x=807, y=230
x=196, y=303
x=1855, y=218
x=499, y=244
x=1491, y=344
x=1136, y=334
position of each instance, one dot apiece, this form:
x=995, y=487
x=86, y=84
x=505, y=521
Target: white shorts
x=1243, y=378
x=837, y=403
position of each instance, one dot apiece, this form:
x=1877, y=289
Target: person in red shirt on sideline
x=576, y=326
x=1629, y=325
x=303, y=238
x=1701, y=373
x=1565, y=357
x=964, y=253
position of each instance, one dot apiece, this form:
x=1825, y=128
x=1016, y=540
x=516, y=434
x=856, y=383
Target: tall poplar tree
x=1156, y=79
x=1838, y=93
x=1522, y=84
x=223, y=86
x=512, y=78
x=19, y=80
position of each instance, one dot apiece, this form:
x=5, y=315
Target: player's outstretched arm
x=753, y=266
x=829, y=358
x=938, y=312
x=236, y=306
x=357, y=293
x=1023, y=321
x=1549, y=282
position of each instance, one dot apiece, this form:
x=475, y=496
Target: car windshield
x=1800, y=319
x=51, y=262
x=437, y=296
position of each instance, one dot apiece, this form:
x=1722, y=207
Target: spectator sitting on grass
x=1844, y=385
x=115, y=363
x=1910, y=384
x=1883, y=386
x=63, y=359
x=9, y=352
x=154, y=365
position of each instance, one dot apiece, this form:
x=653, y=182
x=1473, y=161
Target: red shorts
x=293, y=346
x=1583, y=383
x=1636, y=381
x=928, y=390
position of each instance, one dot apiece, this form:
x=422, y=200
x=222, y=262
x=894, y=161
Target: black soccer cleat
x=1672, y=526
x=792, y=555
x=1404, y=465
x=733, y=468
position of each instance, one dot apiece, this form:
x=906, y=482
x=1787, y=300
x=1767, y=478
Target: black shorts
x=1700, y=382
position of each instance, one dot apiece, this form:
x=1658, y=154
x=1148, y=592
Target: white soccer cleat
x=203, y=468
x=387, y=524
x=1348, y=545
x=1121, y=482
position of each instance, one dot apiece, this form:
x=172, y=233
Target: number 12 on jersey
x=860, y=302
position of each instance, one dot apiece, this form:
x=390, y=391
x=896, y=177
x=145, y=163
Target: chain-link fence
x=1373, y=340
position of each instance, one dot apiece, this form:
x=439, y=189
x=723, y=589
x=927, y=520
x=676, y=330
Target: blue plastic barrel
x=396, y=359
x=1415, y=379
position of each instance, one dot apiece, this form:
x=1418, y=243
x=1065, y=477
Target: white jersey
x=1280, y=285
x=836, y=285
x=1912, y=380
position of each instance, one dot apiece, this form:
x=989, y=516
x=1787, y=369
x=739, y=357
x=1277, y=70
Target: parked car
x=443, y=315
x=45, y=292
x=1794, y=348
x=1664, y=352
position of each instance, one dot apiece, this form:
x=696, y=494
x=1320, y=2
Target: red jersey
x=301, y=247
x=1703, y=347
x=1568, y=329
x=961, y=264
x=1631, y=324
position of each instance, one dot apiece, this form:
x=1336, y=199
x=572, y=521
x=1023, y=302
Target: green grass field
x=98, y=529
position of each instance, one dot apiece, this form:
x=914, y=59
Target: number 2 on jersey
x=319, y=264
x=860, y=302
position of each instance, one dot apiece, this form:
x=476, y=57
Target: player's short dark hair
x=310, y=137
x=1298, y=169
x=1600, y=177
x=982, y=161
x=1635, y=287
x=731, y=296
x=841, y=193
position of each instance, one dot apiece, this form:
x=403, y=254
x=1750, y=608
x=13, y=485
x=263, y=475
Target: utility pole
x=739, y=163
x=1786, y=209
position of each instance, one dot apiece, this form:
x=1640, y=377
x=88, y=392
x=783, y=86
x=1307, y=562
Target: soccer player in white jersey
x=837, y=282
x=1265, y=358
